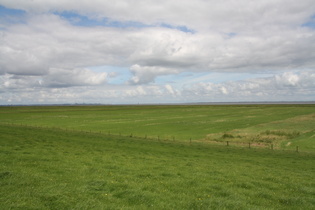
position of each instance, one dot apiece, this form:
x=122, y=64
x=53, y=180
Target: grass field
x=284, y=126
x=51, y=160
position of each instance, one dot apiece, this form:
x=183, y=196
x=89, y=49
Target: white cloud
x=170, y=89
x=224, y=90
x=226, y=16
x=258, y=89
x=75, y=77
x=286, y=86
x=147, y=74
x=288, y=79
x=54, y=78
x=49, y=42
x=46, y=51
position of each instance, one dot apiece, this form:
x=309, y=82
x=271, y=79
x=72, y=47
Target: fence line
x=190, y=140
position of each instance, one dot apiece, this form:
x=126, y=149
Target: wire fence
x=189, y=141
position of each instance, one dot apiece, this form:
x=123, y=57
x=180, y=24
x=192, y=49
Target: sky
x=148, y=51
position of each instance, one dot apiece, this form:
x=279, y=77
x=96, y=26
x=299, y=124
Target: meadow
x=141, y=157
x=283, y=126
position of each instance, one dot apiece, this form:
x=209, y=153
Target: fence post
x=227, y=143
x=271, y=146
x=297, y=148
x=249, y=145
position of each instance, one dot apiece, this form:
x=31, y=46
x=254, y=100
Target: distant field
x=53, y=168
x=279, y=126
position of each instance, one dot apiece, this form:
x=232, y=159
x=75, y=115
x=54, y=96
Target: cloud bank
x=160, y=47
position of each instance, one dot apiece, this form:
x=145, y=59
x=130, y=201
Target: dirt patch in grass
x=262, y=137
x=268, y=133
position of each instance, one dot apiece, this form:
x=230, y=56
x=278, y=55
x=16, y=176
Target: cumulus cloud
x=146, y=74
x=274, y=88
x=278, y=87
x=152, y=39
x=170, y=89
x=207, y=15
x=75, y=77
x=54, y=78
x=48, y=41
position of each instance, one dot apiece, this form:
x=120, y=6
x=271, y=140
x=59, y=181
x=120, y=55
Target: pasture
x=284, y=126
x=126, y=157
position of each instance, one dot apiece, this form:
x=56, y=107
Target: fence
x=190, y=141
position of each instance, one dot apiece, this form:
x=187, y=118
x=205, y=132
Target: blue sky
x=11, y=16
x=155, y=52
x=310, y=23
x=85, y=21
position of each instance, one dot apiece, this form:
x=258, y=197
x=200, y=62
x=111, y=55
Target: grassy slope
x=57, y=169
x=256, y=123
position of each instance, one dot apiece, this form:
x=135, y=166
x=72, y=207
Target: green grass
x=62, y=157
x=47, y=168
x=284, y=126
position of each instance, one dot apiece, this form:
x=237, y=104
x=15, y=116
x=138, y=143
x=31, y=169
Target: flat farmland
x=284, y=126
x=96, y=157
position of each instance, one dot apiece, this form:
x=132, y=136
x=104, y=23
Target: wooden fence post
x=227, y=143
x=297, y=148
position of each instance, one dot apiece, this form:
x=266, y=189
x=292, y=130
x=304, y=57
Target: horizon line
x=174, y=103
